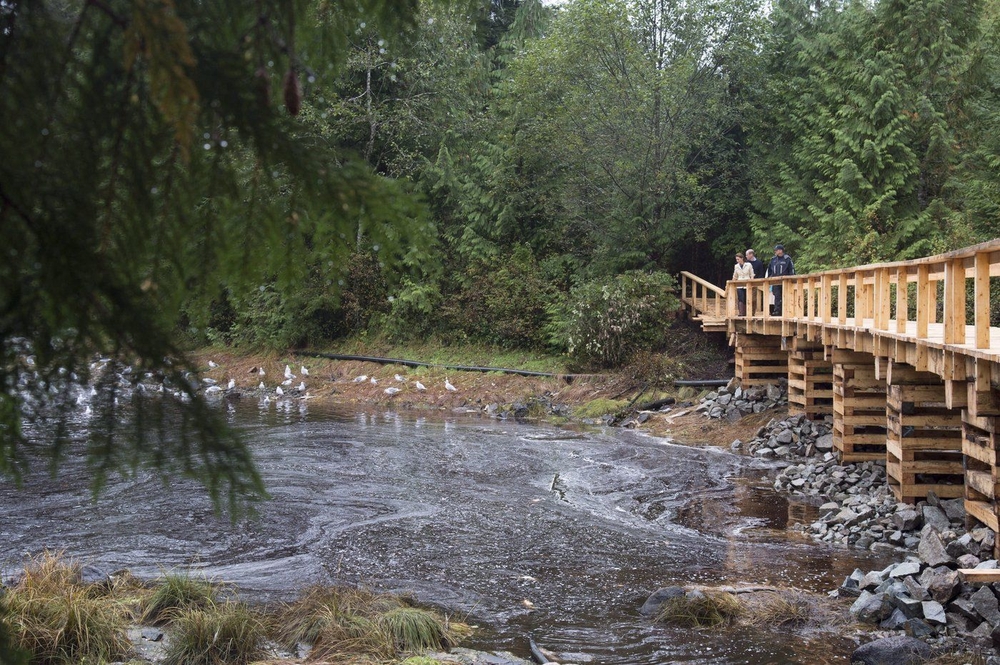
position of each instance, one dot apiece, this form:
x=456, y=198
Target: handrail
x=708, y=285
x=703, y=295
x=881, y=296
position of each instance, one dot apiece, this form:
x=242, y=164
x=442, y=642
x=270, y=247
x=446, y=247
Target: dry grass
x=705, y=609
x=177, y=592
x=226, y=634
x=59, y=620
x=343, y=624
x=791, y=609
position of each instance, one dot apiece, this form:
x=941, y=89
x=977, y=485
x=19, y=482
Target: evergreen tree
x=152, y=156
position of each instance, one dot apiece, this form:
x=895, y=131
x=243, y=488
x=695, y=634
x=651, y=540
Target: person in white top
x=741, y=271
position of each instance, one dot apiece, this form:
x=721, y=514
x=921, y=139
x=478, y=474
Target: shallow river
x=476, y=516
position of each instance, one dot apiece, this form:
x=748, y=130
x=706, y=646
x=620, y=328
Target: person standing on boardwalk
x=741, y=271
x=758, y=265
x=780, y=266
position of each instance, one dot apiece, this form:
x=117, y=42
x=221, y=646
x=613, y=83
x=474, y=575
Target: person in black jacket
x=779, y=266
x=758, y=265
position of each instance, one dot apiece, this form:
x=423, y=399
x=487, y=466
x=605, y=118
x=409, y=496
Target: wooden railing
x=924, y=298
x=703, y=297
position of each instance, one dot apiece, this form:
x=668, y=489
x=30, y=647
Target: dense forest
x=556, y=154
x=289, y=173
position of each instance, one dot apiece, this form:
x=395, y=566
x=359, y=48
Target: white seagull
x=420, y=386
x=278, y=391
x=288, y=372
x=287, y=382
x=399, y=378
x=374, y=381
x=232, y=384
x=302, y=387
x=304, y=371
x=392, y=390
x=213, y=364
x=447, y=386
x=360, y=379
x=261, y=386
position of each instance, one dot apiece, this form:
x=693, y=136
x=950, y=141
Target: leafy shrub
x=606, y=322
x=502, y=301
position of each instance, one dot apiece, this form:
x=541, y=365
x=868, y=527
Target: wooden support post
x=982, y=295
x=810, y=380
x=902, y=300
x=858, y=407
x=760, y=359
x=924, y=438
x=981, y=458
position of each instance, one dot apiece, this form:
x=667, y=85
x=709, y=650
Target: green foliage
x=227, y=634
x=501, y=301
x=605, y=322
x=864, y=109
x=154, y=159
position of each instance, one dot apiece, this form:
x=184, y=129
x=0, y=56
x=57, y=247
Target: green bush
x=605, y=322
x=502, y=301
x=175, y=593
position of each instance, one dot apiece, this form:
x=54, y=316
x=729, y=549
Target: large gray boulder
x=895, y=650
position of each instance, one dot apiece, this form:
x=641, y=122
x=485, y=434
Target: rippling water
x=476, y=516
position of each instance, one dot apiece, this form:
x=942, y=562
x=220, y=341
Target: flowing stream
x=520, y=529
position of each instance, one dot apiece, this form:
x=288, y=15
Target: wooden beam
x=842, y=298
x=976, y=575
x=902, y=300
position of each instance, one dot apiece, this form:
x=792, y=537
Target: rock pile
x=925, y=595
x=733, y=402
x=860, y=509
x=795, y=436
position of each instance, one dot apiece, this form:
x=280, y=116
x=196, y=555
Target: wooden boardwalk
x=903, y=357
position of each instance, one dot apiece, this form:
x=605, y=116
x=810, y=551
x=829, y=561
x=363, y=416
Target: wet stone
x=986, y=605
x=895, y=650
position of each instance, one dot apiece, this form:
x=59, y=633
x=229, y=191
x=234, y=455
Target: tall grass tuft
x=226, y=634
x=176, y=593
x=707, y=609
x=414, y=629
x=340, y=621
x=59, y=621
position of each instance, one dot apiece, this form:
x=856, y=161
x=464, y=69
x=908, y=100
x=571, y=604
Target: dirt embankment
x=587, y=397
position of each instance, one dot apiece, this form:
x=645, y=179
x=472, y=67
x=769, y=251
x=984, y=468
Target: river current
x=520, y=529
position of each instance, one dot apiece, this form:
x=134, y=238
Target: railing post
x=982, y=291
x=826, y=298
x=902, y=300
x=882, y=299
x=859, y=298
x=842, y=299
x=954, y=302
x=924, y=300
x=808, y=283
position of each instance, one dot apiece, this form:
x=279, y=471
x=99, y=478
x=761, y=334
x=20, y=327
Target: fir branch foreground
x=152, y=158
